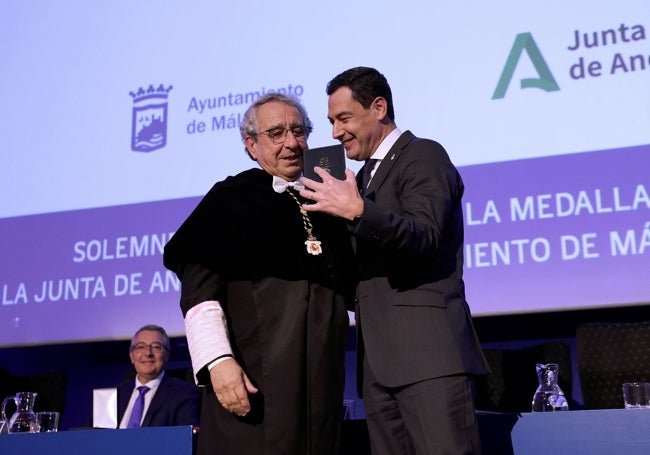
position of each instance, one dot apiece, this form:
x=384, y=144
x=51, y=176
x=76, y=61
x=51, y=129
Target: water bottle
x=548, y=396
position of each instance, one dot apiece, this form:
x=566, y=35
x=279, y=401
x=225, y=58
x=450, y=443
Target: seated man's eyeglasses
x=278, y=134
x=144, y=347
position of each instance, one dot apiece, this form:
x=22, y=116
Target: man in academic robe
x=264, y=291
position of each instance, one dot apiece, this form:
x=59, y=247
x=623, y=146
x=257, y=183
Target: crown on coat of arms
x=151, y=92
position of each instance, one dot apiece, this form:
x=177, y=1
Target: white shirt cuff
x=206, y=329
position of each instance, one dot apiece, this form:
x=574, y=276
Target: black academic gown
x=286, y=309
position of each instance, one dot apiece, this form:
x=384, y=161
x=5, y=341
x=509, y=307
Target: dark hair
x=366, y=84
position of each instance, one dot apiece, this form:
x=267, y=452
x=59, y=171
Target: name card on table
x=105, y=408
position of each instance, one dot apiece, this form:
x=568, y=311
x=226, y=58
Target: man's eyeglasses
x=144, y=347
x=278, y=134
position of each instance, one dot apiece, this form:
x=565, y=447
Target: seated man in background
x=153, y=398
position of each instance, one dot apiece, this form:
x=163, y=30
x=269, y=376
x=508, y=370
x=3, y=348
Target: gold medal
x=313, y=246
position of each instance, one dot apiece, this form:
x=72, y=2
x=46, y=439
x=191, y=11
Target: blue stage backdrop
x=118, y=116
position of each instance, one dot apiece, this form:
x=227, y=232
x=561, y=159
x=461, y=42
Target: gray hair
x=154, y=328
x=249, y=125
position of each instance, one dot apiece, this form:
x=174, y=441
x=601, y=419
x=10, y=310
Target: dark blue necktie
x=138, y=407
x=366, y=173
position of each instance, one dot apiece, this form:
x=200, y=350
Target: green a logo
x=545, y=81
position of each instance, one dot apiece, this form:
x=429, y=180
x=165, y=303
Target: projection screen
x=118, y=116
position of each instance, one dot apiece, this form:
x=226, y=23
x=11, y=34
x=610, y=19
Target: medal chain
x=313, y=245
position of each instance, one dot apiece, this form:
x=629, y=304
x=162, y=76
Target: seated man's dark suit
x=176, y=402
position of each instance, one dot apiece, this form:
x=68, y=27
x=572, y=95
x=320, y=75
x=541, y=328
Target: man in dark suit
x=417, y=350
x=153, y=398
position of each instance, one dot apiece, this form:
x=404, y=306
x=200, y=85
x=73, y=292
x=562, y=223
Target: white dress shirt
x=153, y=386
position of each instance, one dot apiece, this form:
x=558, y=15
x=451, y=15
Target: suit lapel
x=388, y=162
x=157, y=401
x=124, y=392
